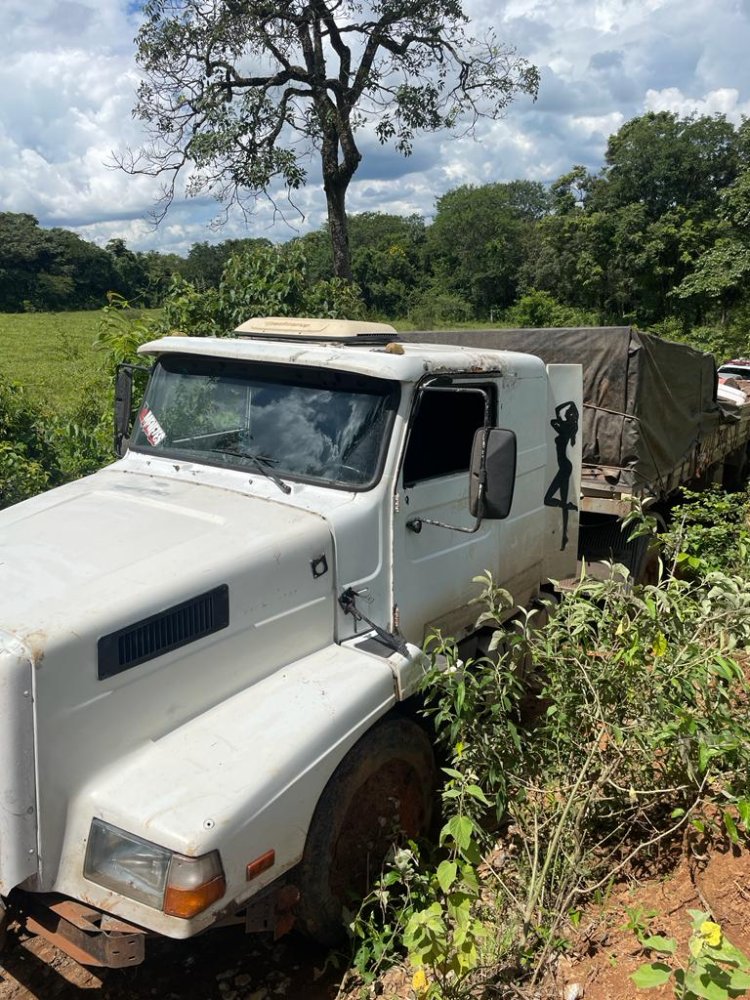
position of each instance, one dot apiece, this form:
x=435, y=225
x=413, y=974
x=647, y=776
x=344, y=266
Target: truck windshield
x=312, y=424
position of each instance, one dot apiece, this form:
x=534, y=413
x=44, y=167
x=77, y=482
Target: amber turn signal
x=188, y=903
x=193, y=884
x=261, y=864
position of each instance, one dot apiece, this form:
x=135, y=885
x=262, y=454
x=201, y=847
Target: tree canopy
x=238, y=93
x=477, y=241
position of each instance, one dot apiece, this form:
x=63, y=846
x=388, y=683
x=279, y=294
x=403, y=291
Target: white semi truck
x=209, y=650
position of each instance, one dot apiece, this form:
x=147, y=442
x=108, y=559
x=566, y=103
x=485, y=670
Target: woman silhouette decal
x=565, y=425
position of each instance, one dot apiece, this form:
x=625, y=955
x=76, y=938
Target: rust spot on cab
x=37, y=646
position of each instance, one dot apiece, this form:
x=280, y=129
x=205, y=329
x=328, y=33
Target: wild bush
x=269, y=281
x=714, y=967
x=710, y=530
x=572, y=753
x=28, y=459
x=539, y=308
x=432, y=308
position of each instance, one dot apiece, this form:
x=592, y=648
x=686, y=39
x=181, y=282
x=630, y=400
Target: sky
x=68, y=80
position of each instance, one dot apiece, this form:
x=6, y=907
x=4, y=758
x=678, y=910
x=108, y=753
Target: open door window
x=443, y=430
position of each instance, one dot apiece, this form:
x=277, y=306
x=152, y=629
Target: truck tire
x=3, y=926
x=381, y=792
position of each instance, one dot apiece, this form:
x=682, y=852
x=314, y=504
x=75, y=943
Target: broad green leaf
x=731, y=828
x=460, y=828
x=739, y=980
x=647, y=977
x=696, y=945
x=446, y=874
x=476, y=793
x=658, y=943
x=452, y=772
x=703, y=984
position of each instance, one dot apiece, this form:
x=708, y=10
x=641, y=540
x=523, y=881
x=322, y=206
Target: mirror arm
x=415, y=523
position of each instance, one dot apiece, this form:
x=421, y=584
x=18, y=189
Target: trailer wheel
x=3, y=926
x=380, y=793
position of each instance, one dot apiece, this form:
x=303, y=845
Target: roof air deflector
x=339, y=331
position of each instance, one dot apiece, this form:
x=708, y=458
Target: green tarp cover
x=647, y=401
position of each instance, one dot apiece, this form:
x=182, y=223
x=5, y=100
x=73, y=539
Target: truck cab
x=211, y=649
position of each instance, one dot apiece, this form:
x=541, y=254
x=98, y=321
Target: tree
x=721, y=271
x=206, y=261
x=79, y=277
x=569, y=192
x=387, y=259
x=49, y=268
x=622, y=241
x=239, y=92
x=663, y=194
x=663, y=161
x=24, y=251
x=383, y=248
x=477, y=242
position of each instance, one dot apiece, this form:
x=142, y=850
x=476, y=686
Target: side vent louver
x=159, y=634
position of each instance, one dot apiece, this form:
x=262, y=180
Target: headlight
x=178, y=885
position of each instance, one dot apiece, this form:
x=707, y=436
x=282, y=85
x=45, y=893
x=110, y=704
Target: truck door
x=433, y=566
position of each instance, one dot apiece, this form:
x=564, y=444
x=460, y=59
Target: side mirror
x=123, y=404
x=492, y=474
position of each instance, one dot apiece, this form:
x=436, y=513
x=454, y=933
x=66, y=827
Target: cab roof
x=361, y=347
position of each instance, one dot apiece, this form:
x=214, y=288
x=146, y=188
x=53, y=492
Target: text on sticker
x=151, y=427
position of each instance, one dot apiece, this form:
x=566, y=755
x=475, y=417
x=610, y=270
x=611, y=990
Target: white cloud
x=725, y=101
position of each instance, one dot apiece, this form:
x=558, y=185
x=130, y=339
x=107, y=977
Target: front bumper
x=89, y=936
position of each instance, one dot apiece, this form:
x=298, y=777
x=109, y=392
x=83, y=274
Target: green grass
x=52, y=355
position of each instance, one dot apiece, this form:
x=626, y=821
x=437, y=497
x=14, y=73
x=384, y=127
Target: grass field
x=51, y=355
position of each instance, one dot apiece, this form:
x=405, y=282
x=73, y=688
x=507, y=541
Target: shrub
x=28, y=460
x=590, y=741
x=539, y=309
x=432, y=308
x=709, y=531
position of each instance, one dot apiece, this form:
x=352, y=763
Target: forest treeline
x=659, y=236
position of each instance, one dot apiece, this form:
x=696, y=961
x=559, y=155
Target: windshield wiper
x=263, y=465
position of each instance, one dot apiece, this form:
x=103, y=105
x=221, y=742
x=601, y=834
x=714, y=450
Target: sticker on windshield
x=153, y=430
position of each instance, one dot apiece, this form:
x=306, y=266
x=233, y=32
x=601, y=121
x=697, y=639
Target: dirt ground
x=226, y=965
x=606, y=950
x=221, y=965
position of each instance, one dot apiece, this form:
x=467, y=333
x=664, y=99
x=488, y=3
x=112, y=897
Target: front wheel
x=381, y=791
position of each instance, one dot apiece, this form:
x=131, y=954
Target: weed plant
x=715, y=969
x=575, y=753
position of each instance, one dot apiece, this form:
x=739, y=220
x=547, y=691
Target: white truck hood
x=118, y=546
x=97, y=558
